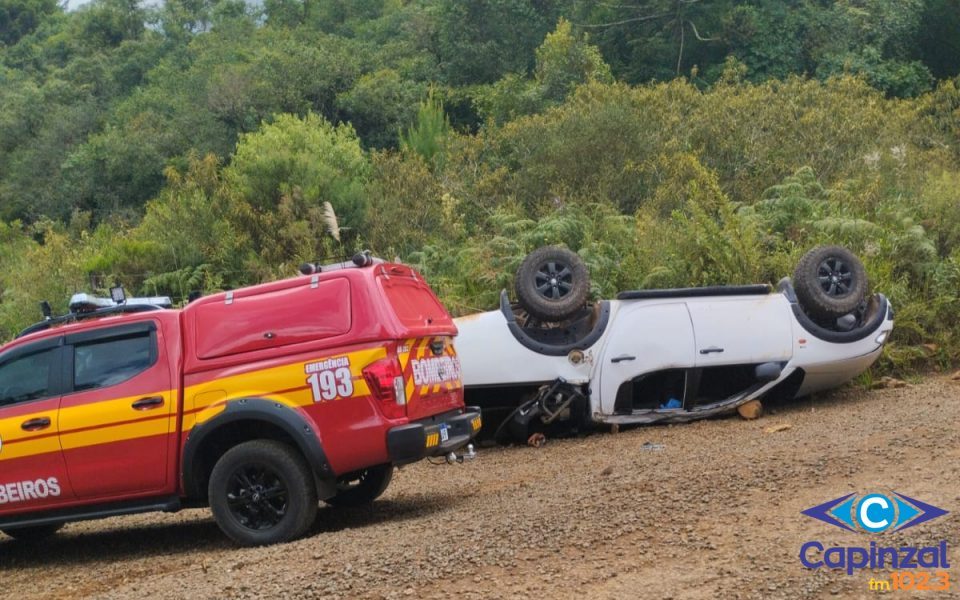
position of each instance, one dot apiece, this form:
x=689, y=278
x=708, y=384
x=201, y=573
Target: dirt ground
x=705, y=510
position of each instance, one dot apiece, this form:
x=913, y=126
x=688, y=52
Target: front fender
x=291, y=421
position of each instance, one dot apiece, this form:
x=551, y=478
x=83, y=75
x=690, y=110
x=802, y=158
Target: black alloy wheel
x=835, y=277
x=257, y=497
x=262, y=492
x=552, y=284
x=553, y=280
x=830, y=282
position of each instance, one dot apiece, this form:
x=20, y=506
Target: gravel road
x=705, y=510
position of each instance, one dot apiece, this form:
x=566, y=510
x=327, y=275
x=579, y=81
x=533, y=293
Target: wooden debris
x=751, y=410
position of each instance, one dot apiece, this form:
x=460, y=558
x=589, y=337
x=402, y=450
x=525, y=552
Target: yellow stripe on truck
x=43, y=445
x=118, y=433
x=416, y=349
x=95, y=414
x=114, y=419
x=11, y=434
x=289, y=380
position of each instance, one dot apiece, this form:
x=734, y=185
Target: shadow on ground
x=119, y=542
x=390, y=510
x=116, y=543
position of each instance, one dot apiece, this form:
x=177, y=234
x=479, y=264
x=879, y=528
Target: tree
x=285, y=13
x=654, y=39
x=426, y=136
x=21, y=17
x=337, y=16
x=565, y=61
x=182, y=19
x=107, y=23
x=324, y=160
x=878, y=39
x=773, y=39
x=286, y=171
x=482, y=40
x=379, y=105
x=940, y=42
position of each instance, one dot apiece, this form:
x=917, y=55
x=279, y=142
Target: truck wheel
x=361, y=487
x=34, y=533
x=262, y=492
x=552, y=283
x=830, y=282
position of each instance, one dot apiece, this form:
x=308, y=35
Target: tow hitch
x=469, y=453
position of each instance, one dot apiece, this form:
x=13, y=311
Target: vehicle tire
x=34, y=533
x=552, y=283
x=361, y=487
x=830, y=282
x=262, y=492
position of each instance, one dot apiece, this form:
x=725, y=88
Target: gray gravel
x=705, y=510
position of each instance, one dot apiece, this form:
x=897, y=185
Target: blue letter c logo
x=875, y=513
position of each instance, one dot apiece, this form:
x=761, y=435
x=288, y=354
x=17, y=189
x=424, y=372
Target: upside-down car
x=666, y=355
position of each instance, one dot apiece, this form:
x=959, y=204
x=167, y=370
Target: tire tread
x=300, y=488
x=540, y=307
x=811, y=296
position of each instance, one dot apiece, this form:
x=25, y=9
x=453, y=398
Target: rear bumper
x=434, y=436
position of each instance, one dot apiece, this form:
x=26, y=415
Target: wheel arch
x=879, y=311
x=584, y=343
x=247, y=419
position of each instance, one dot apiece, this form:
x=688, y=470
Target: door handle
x=35, y=424
x=711, y=350
x=622, y=358
x=148, y=403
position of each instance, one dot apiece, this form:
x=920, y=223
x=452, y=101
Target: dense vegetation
x=193, y=146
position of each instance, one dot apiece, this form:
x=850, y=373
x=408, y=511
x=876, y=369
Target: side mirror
x=767, y=372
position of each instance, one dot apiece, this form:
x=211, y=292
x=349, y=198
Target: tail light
x=385, y=380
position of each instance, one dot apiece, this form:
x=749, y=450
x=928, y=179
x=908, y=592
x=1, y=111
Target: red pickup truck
x=257, y=402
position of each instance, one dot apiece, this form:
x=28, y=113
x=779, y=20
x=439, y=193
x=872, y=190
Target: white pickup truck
x=666, y=355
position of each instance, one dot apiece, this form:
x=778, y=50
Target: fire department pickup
x=257, y=402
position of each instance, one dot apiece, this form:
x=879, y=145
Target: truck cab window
x=109, y=362
x=26, y=378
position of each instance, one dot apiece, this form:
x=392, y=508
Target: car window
x=26, y=378
x=109, y=362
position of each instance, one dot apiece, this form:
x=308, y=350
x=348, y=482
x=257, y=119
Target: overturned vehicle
x=553, y=360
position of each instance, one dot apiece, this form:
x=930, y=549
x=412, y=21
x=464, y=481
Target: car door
x=741, y=329
x=32, y=469
x=118, y=412
x=645, y=337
